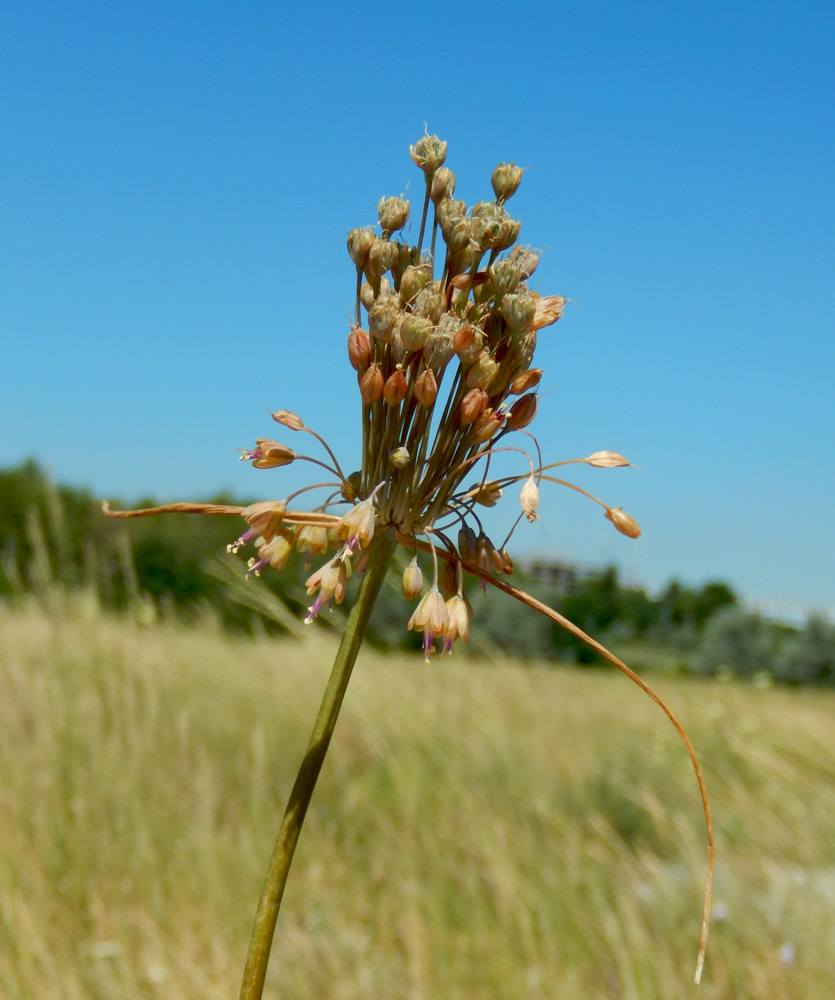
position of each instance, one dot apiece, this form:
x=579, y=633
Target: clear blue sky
x=176, y=183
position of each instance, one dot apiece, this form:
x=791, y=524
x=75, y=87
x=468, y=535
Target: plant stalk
x=255, y=972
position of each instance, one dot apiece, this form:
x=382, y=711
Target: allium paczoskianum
x=443, y=338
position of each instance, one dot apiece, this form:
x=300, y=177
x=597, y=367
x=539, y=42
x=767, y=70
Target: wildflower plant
x=443, y=340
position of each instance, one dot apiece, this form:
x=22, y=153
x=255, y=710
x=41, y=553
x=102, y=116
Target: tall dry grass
x=479, y=831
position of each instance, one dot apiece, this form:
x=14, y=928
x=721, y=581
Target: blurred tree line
x=56, y=537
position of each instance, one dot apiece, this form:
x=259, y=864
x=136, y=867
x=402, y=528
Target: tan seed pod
x=506, y=179
x=394, y=391
x=608, y=460
x=288, y=419
x=429, y=153
x=527, y=380
x=393, y=214
x=371, y=384
x=426, y=388
x=482, y=372
x=359, y=349
x=625, y=524
x=443, y=185
x=522, y=412
x=359, y=244
x=472, y=406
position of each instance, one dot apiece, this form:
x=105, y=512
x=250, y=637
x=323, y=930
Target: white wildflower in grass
x=443, y=341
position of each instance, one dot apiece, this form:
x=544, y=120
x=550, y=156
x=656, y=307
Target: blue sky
x=176, y=183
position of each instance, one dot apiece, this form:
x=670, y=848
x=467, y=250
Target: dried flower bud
x=449, y=212
x=381, y=317
x=625, y=524
x=430, y=302
x=508, y=234
x=429, y=153
x=381, y=256
x=394, y=391
x=359, y=244
x=412, y=580
x=464, y=338
x=459, y=235
x=268, y=454
x=393, y=214
x=426, y=387
x=413, y=280
x=525, y=260
x=548, y=310
x=414, y=332
x=367, y=295
x=608, y=460
x=371, y=384
x=506, y=277
x=443, y=185
x=527, y=380
x=507, y=562
x=400, y=457
x=482, y=372
x=468, y=343
x=288, y=419
x=506, y=179
x=519, y=309
x=472, y=406
x=522, y=412
x=359, y=349
x=529, y=499
x=468, y=545
x=438, y=349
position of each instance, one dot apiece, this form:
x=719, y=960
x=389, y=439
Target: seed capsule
x=359, y=349
x=393, y=214
x=625, y=524
x=472, y=406
x=371, y=384
x=429, y=153
x=527, y=380
x=505, y=180
x=394, y=391
x=426, y=387
x=522, y=412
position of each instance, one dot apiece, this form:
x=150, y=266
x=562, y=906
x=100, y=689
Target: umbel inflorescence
x=443, y=346
x=443, y=342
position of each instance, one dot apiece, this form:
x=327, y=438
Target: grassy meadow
x=479, y=831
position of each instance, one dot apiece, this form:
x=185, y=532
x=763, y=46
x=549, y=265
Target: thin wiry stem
x=575, y=630
x=266, y=916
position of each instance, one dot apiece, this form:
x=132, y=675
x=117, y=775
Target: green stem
x=267, y=914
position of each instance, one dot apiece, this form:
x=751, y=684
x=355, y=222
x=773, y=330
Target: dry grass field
x=480, y=830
